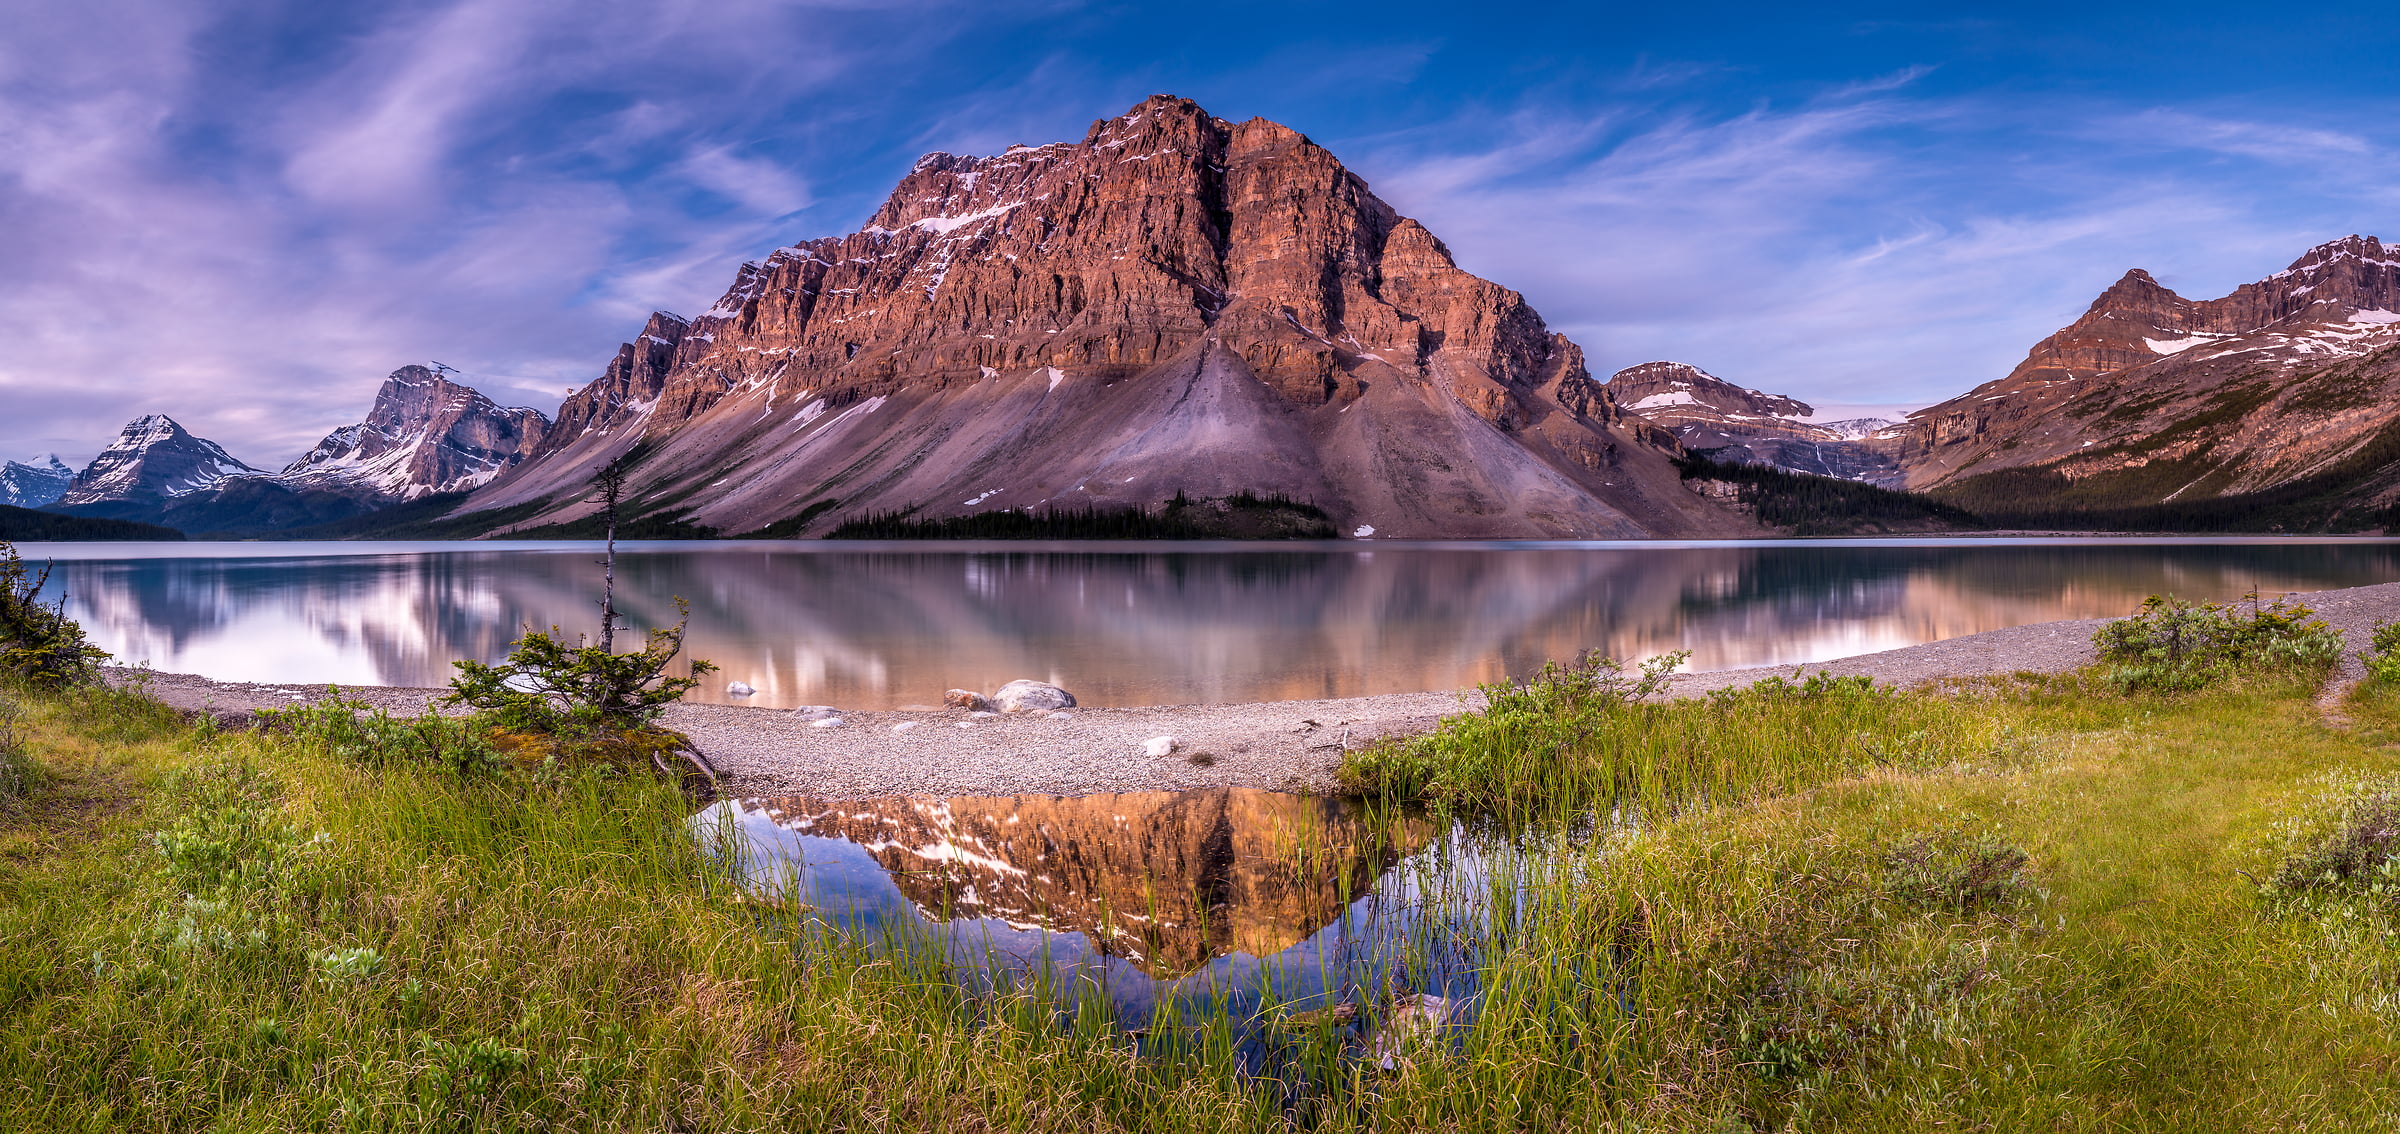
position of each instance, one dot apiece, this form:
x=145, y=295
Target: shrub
x=1966, y=874
x=359, y=733
x=2382, y=658
x=2171, y=645
x=584, y=690
x=38, y=642
x=2356, y=855
x=1590, y=682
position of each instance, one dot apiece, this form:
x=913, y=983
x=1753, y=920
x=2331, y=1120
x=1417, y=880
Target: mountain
x=425, y=434
x=31, y=486
x=152, y=462
x=2280, y=401
x=1175, y=304
x=1744, y=426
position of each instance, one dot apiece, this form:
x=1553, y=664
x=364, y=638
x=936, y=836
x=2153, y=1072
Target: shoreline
x=1276, y=745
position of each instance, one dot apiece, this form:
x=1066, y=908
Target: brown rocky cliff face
x=2277, y=380
x=632, y=382
x=1175, y=303
x=1168, y=880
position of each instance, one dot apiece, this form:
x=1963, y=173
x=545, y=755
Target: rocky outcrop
x=1167, y=880
x=1740, y=425
x=2151, y=397
x=424, y=434
x=34, y=485
x=151, y=461
x=1174, y=304
x=626, y=391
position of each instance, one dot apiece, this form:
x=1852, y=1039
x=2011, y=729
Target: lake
x=886, y=625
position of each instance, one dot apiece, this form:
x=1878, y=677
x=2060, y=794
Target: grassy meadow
x=2065, y=903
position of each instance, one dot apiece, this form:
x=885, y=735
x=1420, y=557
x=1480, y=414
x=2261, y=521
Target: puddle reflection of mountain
x=884, y=628
x=1203, y=900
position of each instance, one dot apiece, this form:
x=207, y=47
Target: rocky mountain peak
x=1173, y=304
x=2326, y=284
x=424, y=434
x=2149, y=362
x=1734, y=423
x=627, y=390
x=32, y=485
x=153, y=458
x=1655, y=388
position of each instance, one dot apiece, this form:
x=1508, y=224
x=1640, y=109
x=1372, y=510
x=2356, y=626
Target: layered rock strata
x=1174, y=304
x=2150, y=397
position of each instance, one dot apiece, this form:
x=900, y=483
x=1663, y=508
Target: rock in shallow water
x=1161, y=745
x=967, y=699
x=739, y=689
x=1028, y=696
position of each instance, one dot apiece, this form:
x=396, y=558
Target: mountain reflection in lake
x=880, y=626
x=1199, y=899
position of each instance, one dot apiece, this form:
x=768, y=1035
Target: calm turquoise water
x=872, y=626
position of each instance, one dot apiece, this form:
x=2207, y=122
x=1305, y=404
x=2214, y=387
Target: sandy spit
x=1285, y=745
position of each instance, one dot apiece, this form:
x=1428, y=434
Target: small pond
x=1172, y=906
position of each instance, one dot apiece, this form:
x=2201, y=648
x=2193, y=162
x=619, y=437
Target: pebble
x=826, y=722
x=1161, y=745
x=739, y=689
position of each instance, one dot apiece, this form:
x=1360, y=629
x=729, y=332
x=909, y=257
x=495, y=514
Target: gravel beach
x=1285, y=745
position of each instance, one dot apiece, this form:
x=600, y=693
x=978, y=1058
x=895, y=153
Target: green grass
x=2034, y=904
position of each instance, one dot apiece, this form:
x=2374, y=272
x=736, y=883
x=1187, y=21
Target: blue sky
x=246, y=214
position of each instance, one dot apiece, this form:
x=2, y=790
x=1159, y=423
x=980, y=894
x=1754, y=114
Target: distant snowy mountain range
x=425, y=434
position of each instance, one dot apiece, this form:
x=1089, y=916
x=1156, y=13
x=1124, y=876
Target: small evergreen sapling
x=586, y=696
x=582, y=690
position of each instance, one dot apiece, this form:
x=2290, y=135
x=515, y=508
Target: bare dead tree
x=611, y=484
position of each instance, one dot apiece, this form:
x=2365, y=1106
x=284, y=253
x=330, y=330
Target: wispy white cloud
x=253, y=260
x=1874, y=245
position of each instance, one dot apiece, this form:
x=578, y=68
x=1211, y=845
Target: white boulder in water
x=738, y=689
x=1161, y=745
x=1027, y=696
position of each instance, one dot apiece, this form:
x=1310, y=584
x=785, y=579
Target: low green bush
x=2344, y=845
x=2174, y=646
x=2382, y=656
x=362, y=734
